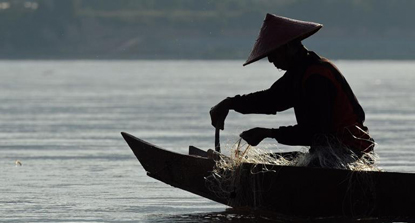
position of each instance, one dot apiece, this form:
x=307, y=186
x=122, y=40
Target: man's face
x=279, y=58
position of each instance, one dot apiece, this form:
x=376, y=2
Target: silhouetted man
x=325, y=106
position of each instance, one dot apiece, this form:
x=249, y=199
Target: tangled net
x=225, y=179
x=331, y=154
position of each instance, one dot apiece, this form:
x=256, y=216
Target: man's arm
x=278, y=97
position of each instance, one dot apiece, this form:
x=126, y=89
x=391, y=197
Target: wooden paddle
x=217, y=143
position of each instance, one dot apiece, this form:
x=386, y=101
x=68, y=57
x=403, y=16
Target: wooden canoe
x=287, y=190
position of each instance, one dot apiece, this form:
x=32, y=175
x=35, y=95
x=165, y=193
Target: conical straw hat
x=277, y=31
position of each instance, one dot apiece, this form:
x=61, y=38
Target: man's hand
x=254, y=136
x=219, y=112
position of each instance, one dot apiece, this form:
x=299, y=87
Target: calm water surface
x=62, y=120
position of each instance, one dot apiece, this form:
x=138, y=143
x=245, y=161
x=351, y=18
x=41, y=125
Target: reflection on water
x=230, y=216
x=237, y=216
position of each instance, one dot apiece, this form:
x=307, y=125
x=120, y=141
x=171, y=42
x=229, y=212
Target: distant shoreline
x=62, y=58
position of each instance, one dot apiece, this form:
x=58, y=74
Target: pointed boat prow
x=140, y=149
x=151, y=157
x=178, y=170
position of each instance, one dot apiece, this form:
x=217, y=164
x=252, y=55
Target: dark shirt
x=313, y=100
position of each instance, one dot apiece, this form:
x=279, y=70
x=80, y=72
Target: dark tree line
x=197, y=29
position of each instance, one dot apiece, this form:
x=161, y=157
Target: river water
x=62, y=120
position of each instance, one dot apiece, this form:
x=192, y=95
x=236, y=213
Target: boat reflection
x=244, y=216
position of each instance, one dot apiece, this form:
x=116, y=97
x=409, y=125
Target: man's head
x=286, y=56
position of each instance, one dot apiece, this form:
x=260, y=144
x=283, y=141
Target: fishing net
x=329, y=152
x=226, y=178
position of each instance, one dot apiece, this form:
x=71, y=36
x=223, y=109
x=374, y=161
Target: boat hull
x=287, y=190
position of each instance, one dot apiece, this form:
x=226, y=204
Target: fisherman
x=325, y=106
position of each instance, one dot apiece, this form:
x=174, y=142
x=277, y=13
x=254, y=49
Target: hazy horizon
x=190, y=29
